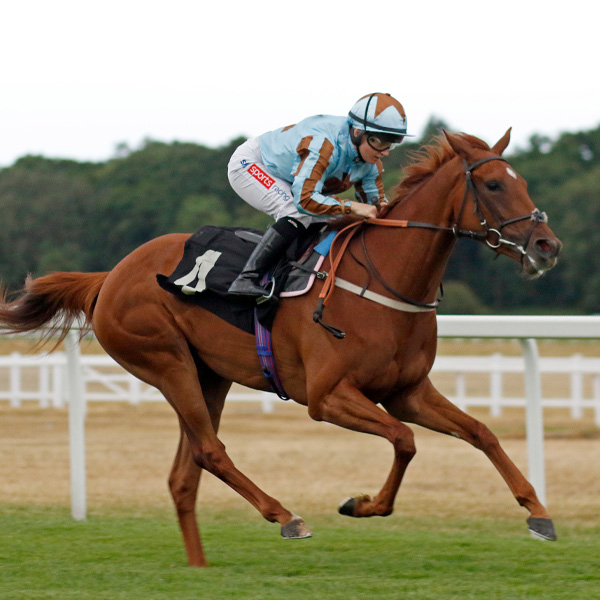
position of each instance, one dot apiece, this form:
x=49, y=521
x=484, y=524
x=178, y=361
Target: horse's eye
x=493, y=186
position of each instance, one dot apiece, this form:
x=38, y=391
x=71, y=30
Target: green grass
x=45, y=554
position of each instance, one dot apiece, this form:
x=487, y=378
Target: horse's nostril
x=546, y=248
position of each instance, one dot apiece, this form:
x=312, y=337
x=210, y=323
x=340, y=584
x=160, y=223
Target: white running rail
x=43, y=378
x=523, y=328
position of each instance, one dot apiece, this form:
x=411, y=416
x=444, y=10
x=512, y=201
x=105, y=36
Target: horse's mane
x=426, y=161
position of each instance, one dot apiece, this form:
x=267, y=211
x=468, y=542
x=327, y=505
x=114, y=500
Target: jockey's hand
x=363, y=211
x=382, y=208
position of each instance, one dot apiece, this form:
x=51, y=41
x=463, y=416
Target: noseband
x=492, y=236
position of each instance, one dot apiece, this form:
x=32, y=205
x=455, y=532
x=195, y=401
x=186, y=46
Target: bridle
x=492, y=236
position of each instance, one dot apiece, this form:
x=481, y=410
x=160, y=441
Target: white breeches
x=250, y=179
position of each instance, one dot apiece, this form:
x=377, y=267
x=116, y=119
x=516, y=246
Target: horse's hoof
x=542, y=529
x=346, y=508
x=296, y=529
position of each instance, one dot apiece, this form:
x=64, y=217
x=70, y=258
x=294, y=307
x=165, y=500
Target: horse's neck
x=414, y=259
x=431, y=200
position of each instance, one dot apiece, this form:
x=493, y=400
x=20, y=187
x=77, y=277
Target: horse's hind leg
x=183, y=484
x=428, y=408
x=174, y=373
x=185, y=473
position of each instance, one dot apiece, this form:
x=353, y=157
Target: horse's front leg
x=347, y=407
x=425, y=406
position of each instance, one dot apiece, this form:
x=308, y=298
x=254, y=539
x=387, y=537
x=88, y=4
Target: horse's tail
x=53, y=302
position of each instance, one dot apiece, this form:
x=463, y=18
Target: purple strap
x=264, y=348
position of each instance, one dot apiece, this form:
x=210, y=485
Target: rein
x=491, y=236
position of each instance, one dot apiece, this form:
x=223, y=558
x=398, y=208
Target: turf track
x=44, y=554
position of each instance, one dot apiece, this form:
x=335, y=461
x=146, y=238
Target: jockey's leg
x=269, y=249
x=251, y=180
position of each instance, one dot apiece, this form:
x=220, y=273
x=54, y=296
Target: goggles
x=381, y=146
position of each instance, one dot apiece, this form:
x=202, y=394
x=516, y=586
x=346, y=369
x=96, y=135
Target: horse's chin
x=534, y=268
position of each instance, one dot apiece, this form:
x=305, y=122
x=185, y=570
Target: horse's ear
x=459, y=145
x=502, y=143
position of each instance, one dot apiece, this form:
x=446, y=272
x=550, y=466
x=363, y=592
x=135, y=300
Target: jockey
x=293, y=174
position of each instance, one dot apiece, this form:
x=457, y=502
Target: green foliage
x=66, y=215
x=564, y=180
x=434, y=128
x=201, y=208
x=459, y=299
x=46, y=213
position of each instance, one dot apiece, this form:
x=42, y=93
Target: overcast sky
x=80, y=77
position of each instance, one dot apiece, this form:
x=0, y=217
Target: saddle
x=214, y=256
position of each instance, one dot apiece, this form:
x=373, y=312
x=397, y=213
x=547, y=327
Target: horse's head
x=492, y=202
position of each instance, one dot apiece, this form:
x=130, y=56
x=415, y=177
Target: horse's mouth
x=535, y=266
x=540, y=256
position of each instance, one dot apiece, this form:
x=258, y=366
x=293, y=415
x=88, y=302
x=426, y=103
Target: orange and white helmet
x=380, y=114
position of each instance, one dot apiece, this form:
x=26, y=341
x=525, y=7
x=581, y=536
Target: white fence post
x=461, y=391
x=15, y=381
x=135, y=389
x=496, y=385
x=534, y=418
x=44, y=385
x=596, y=384
x=267, y=402
x=77, y=410
x=576, y=387
x=57, y=382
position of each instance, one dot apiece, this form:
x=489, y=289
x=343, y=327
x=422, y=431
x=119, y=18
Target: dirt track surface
x=308, y=466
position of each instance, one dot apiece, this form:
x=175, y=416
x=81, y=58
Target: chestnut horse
x=372, y=381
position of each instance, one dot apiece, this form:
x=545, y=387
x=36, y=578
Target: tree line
x=83, y=216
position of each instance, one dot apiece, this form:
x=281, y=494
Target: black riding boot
x=272, y=245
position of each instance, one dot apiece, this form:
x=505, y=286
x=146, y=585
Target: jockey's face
x=371, y=153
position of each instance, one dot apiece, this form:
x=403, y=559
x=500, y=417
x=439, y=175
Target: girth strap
x=379, y=298
x=264, y=349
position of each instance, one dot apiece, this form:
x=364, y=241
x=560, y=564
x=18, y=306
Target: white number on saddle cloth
x=203, y=266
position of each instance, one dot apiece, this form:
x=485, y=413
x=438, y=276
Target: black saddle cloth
x=214, y=256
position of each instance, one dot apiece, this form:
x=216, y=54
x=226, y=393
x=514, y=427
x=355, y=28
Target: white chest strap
x=375, y=297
